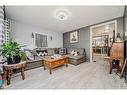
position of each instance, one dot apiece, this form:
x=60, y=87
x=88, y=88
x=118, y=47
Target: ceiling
x=79, y=16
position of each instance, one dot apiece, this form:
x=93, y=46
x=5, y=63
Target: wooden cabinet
x=117, y=53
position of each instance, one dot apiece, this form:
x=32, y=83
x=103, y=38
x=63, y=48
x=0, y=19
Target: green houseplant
x=12, y=51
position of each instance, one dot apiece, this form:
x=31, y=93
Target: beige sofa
x=38, y=60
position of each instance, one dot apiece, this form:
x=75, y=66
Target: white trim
x=114, y=21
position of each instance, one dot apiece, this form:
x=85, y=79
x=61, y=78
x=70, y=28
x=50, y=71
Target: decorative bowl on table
x=55, y=56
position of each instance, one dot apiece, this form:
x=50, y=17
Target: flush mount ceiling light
x=62, y=14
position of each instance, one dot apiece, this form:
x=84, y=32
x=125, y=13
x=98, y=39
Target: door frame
x=94, y=26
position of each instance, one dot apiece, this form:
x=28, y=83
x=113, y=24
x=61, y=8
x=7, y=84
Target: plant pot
x=9, y=60
x=17, y=59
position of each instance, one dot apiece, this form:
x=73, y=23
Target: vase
x=17, y=59
x=9, y=60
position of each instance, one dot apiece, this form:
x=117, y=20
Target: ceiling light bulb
x=107, y=28
x=62, y=16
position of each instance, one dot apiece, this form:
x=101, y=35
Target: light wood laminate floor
x=84, y=76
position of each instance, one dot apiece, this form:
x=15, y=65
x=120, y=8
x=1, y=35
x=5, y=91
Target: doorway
x=101, y=38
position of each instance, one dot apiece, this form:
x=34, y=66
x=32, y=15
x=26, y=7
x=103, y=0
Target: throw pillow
x=76, y=53
x=45, y=53
x=73, y=52
x=63, y=51
x=29, y=55
x=41, y=52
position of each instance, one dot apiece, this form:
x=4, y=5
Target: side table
x=8, y=70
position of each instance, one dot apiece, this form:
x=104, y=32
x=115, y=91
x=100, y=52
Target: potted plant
x=12, y=51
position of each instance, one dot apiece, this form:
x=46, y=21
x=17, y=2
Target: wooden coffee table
x=53, y=63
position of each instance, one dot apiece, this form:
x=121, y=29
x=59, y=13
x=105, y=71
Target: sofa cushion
x=38, y=57
x=50, y=51
x=79, y=50
x=69, y=50
x=29, y=55
x=31, y=61
x=75, y=57
x=33, y=52
x=56, y=50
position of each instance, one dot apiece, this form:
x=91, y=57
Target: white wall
x=21, y=33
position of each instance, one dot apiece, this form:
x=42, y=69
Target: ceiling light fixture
x=107, y=29
x=62, y=14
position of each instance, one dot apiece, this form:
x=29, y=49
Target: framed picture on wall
x=74, y=37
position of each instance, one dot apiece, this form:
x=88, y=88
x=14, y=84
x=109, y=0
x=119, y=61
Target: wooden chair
x=123, y=68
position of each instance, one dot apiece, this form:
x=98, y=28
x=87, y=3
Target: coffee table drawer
x=54, y=64
x=62, y=62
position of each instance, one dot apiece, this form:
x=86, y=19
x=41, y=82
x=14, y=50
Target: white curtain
x=4, y=27
x=1, y=25
x=6, y=30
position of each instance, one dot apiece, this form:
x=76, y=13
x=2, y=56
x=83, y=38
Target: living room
x=51, y=36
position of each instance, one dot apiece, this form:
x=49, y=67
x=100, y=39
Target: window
x=41, y=40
